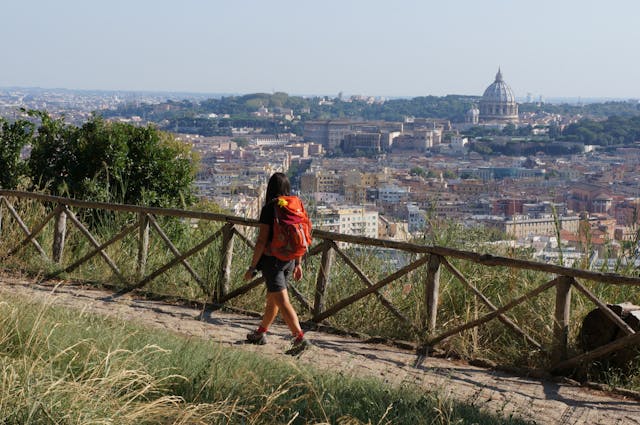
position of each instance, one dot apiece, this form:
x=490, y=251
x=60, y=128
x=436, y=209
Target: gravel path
x=542, y=402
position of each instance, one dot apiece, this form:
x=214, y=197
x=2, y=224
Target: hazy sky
x=551, y=48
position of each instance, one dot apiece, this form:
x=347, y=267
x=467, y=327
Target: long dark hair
x=278, y=186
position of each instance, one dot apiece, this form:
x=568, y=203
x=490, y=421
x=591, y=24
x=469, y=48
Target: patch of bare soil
x=540, y=401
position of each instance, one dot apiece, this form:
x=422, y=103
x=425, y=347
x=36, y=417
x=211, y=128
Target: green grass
x=61, y=367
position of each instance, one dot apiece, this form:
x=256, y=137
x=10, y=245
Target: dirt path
x=541, y=401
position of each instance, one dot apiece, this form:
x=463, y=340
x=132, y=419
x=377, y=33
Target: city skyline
x=573, y=49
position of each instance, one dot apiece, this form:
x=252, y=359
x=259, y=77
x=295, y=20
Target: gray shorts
x=275, y=272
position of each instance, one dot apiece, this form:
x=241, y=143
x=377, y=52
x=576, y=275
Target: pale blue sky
x=390, y=48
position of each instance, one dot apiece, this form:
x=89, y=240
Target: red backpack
x=291, y=229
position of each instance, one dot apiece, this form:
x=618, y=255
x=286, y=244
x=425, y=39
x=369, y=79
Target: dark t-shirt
x=267, y=215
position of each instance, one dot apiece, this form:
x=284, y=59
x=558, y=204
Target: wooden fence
x=434, y=258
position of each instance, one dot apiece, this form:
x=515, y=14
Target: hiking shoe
x=298, y=347
x=258, y=338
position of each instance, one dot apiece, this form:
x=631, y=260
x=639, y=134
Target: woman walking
x=275, y=271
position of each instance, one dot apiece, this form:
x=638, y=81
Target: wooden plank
x=59, y=236
x=562, y=318
x=143, y=244
x=170, y=264
x=315, y=250
x=172, y=212
x=490, y=260
x=24, y=228
x=177, y=253
x=431, y=293
x=504, y=319
x=124, y=232
x=493, y=314
x=242, y=290
x=323, y=277
x=243, y=238
x=95, y=243
x=604, y=308
x=2, y=201
x=353, y=298
x=226, y=258
x=383, y=300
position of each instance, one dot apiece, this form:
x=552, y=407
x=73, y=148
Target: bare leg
x=282, y=303
x=270, y=312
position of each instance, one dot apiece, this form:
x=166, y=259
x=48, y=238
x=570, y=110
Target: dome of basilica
x=498, y=102
x=499, y=91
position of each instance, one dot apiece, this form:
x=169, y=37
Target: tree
x=509, y=130
x=448, y=174
x=53, y=155
x=241, y=141
x=159, y=171
x=526, y=131
x=481, y=148
x=417, y=171
x=111, y=162
x=13, y=137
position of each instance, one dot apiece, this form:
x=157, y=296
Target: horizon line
x=334, y=96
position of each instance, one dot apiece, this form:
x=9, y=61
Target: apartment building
x=627, y=211
x=419, y=141
x=523, y=226
x=350, y=220
x=369, y=143
x=353, y=185
x=304, y=150
x=321, y=182
x=355, y=194
x=393, y=194
x=416, y=218
x=271, y=141
x=499, y=173
x=330, y=133
x=471, y=187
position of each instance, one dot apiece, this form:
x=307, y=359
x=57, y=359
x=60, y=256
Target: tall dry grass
x=64, y=367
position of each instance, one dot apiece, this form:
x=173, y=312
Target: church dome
x=499, y=91
x=498, y=104
x=472, y=115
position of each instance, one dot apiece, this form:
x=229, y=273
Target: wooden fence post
x=432, y=289
x=561, y=319
x=143, y=244
x=1, y=202
x=226, y=259
x=323, y=278
x=59, y=235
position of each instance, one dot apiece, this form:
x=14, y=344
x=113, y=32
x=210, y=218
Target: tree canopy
x=615, y=130
x=100, y=161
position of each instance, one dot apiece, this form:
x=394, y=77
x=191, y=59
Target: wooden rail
x=433, y=259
